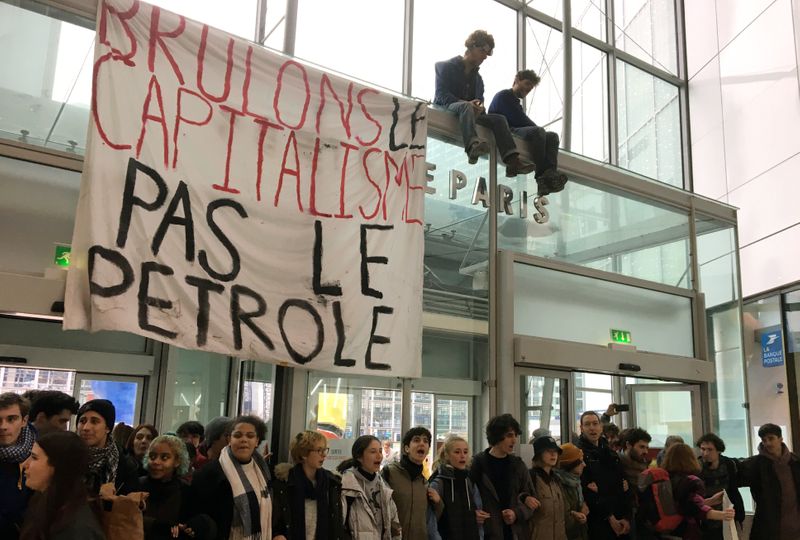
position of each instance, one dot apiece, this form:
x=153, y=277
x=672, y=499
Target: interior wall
x=745, y=125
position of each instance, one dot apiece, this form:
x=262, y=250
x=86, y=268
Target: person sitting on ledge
x=459, y=89
x=542, y=144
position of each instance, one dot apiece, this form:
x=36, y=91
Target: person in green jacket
x=411, y=493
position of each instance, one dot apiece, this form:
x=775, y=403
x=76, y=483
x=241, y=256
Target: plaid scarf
x=20, y=450
x=103, y=464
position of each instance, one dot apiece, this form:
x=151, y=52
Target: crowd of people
x=213, y=482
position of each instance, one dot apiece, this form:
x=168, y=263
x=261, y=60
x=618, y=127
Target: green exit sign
x=61, y=257
x=620, y=336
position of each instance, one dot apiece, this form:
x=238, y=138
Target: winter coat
x=14, y=496
x=548, y=521
x=282, y=496
x=360, y=519
x=723, y=477
x=82, y=526
x=687, y=490
x=211, y=494
x=411, y=499
x=461, y=499
x=168, y=504
x=575, y=530
x=758, y=473
x=603, y=467
x=520, y=488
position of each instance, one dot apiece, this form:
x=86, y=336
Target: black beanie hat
x=103, y=407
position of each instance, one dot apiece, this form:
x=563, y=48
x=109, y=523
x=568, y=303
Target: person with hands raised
x=505, y=486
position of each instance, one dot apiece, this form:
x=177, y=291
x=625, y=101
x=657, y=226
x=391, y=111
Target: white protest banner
x=238, y=201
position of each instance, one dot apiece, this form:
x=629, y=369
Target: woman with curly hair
x=234, y=489
x=167, y=511
x=308, y=502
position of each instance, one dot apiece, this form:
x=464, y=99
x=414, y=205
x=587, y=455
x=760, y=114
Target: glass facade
x=624, y=111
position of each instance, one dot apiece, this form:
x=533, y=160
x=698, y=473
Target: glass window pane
x=762, y=332
x=19, y=380
x=590, y=400
x=649, y=125
x=275, y=24
x=593, y=226
x=370, y=50
x=456, y=237
x=658, y=322
x=45, y=80
x=553, y=8
x=589, y=102
x=198, y=382
x=544, y=54
x=664, y=413
x=589, y=16
x=646, y=29
x=257, y=389
x=123, y=394
x=452, y=418
x=436, y=40
x=237, y=18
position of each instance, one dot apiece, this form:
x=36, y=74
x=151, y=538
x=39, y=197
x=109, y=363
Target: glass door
x=667, y=409
x=124, y=391
x=544, y=404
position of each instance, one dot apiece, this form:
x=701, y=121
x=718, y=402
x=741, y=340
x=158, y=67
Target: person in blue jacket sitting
x=459, y=89
x=542, y=144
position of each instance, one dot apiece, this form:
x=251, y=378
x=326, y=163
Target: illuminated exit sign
x=620, y=336
x=61, y=256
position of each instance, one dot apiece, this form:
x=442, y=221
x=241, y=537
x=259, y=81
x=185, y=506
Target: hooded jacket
x=461, y=499
x=520, y=488
x=758, y=472
x=360, y=518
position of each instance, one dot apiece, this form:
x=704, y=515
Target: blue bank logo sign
x=772, y=349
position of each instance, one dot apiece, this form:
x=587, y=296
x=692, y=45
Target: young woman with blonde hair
x=462, y=517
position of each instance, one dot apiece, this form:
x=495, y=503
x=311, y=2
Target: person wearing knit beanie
x=570, y=454
x=103, y=407
x=570, y=469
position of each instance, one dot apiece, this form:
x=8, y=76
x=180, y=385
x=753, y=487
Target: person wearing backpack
x=718, y=475
x=604, y=487
x=688, y=493
x=370, y=512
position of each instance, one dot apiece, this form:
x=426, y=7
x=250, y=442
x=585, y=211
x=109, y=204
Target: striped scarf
x=254, y=508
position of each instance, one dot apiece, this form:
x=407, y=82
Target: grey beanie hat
x=215, y=429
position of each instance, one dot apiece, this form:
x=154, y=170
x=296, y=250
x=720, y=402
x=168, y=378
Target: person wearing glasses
x=459, y=89
x=307, y=498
